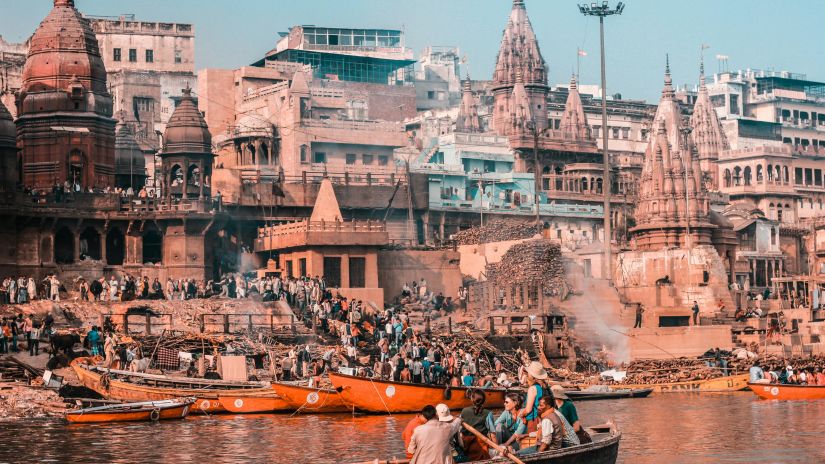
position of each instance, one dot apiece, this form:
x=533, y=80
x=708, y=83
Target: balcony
x=386, y=126
x=322, y=233
x=760, y=189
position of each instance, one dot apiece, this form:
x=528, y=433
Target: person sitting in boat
x=549, y=431
x=567, y=409
x=482, y=420
x=756, y=374
x=535, y=375
x=427, y=414
x=508, y=428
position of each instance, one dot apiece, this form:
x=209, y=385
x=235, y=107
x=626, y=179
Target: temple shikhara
x=343, y=154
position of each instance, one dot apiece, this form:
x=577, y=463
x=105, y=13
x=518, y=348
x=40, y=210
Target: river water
x=667, y=428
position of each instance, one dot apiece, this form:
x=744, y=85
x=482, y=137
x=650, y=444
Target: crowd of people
x=24, y=289
x=15, y=329
x=543, y=419
x=775, y=374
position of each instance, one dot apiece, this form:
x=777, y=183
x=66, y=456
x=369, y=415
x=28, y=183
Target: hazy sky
x=763, y=34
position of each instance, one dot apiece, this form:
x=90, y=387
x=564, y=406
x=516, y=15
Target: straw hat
x=536, y=370
x=558, y=392
x=443, y=412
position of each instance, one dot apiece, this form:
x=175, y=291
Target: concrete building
x=438, y=78
x=148, y=63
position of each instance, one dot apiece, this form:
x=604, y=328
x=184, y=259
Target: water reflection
x=677, y=428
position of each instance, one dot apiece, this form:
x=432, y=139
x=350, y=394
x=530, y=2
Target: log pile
x=20, y=401
x=656, y=371
x=497, y=231
x=531, y=262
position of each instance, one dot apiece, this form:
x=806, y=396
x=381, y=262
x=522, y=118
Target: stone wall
x=439, y=267
x=670, y=342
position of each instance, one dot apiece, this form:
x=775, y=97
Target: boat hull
x=613, y=395
x=240, y=404
x=145, y=414
x=207, y=401
x=730, y=383
x=311, y=400
x=375, y=396
x=788, y=392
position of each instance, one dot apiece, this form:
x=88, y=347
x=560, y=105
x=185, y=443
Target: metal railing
x=247, y=322
x=367, y=226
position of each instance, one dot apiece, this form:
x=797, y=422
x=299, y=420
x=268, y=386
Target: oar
x=489, y=442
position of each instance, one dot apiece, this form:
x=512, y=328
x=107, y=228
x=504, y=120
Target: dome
x=187, y=131
x=128, y=156
x=8, y=132
x=64, y=69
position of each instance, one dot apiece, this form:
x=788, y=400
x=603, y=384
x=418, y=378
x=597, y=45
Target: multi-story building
x=12, y=59
x=438, y=78
x=148, y=64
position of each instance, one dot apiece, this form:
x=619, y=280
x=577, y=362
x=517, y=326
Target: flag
x=582, y=52
x=705, y=46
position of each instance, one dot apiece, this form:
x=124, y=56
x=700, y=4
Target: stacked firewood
x=496, y=231
x=654, y=371
x=531, y=262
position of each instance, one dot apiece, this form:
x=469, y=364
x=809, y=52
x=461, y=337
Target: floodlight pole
x=602, y=10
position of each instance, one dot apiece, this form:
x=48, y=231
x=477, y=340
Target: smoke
x=594, y=315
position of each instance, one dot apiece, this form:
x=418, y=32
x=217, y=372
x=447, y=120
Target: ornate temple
x=468, y=119
x=673, y=208
x=707, y=134
x=64, y=103
x=520, y=76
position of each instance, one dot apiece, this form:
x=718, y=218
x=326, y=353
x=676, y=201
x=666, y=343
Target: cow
x=65, y=342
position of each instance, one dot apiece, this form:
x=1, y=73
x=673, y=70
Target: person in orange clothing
x=427, y=414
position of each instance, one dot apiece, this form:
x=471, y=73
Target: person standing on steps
x=695, y=313
x=639, y=311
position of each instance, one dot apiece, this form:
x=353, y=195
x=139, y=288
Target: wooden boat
x=613, y=394
x=267, y=402
x=381, y=396
x=729, y=383
x=122, y=385
x=133, y=412
x=603, y=450
x=772, y=391
x=304, y=399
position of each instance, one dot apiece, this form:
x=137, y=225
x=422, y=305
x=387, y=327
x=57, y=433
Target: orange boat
x=380, y=396
x=133, y=412
x=311, y=400
x=108, y=383
x=772, y=391
x=240, y=404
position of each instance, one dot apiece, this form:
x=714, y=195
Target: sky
x=760, y=34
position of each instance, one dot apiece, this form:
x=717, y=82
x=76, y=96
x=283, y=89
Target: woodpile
x=655, y=371
x=534, y=262
x=497, y=231
x=22, y=401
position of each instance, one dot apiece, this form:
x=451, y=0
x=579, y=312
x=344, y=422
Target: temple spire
x=468, y=119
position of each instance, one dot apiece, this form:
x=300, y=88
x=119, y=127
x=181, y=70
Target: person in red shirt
x=427, y=413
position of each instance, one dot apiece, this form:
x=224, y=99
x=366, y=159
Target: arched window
x=90, y=244
x=76, y=162
x=747, y=175
x=787, y=175
x=264, y=154
x=63, y=246
x=737, y=176
x=599, y=185
x=115, y=247
x=584, y=184
x=193, y=175
x=152, y=247
x=778, y=176
x=252, y=155
x=770, y=173
x=175, y=176
x=771, y=211
x=728, y=178
x=759, y=174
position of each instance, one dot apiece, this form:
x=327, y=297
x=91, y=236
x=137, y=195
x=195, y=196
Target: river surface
x=666, y=428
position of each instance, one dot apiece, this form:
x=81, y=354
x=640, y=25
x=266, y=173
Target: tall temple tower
x=519, y=54
x=707, y=133
x=574, y=121
x=65, y=128
x=187, y=152
x=468, y=119
x=672, y=198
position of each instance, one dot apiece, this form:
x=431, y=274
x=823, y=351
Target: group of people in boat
x=542, y=419
x=776, y=374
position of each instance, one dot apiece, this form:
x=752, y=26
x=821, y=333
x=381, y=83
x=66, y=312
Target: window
x=150, y=56
x=304, y=154
x=817, y=176
x=302, y=267
x=797, y=176
x=615, y=131
x=332, y=271
x=133, y=55
x=383, y=160
x=116, y=54
x=289, y=268
x=143, y=104
x=178, y=58
x=357, y=272
x=734, y=104
x=625, y=133
x=431, y=95
x=366, y=159
x=489, y=166
x=351, y=158
x=718, y=101
x=320, y=157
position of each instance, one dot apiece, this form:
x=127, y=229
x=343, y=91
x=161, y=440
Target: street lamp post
x=602, y=10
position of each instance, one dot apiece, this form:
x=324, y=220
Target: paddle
x=490, y=443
